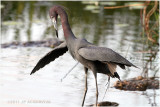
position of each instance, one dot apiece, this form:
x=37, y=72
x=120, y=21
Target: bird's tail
x=112, y=68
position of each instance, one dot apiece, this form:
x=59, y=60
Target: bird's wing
x=51, y=56
x=103, y=54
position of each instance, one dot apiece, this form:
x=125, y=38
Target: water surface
x=118, y=29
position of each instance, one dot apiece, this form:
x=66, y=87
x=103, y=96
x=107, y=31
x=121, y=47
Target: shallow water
x=19, y=88
x=117, y=29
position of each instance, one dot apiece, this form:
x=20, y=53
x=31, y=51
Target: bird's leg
x=96, y=89
x=86, y=88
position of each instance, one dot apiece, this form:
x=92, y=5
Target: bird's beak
x=55, y=25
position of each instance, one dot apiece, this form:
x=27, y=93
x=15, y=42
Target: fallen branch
x=69, y=71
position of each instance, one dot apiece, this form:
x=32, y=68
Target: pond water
x=119, y=29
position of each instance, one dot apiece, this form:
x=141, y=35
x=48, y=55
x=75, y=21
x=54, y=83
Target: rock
x=47, y=43
x=105, y=103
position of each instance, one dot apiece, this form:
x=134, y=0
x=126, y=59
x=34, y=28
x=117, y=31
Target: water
x=29, y=21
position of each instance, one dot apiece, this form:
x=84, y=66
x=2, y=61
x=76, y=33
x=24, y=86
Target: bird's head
x=53, y=15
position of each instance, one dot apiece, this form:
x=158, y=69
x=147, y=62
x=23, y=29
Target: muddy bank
x=46, y=43
x=138, y=84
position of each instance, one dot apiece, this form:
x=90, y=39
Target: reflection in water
x=118, y=29
x=33, y=15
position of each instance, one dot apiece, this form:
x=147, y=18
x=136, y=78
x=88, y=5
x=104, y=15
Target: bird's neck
x=65, y=24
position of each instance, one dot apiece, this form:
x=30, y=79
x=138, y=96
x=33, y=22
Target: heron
x=97, y=59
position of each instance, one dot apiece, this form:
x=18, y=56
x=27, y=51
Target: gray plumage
x=103, y=54
x=97, y=59
x=51, y=56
